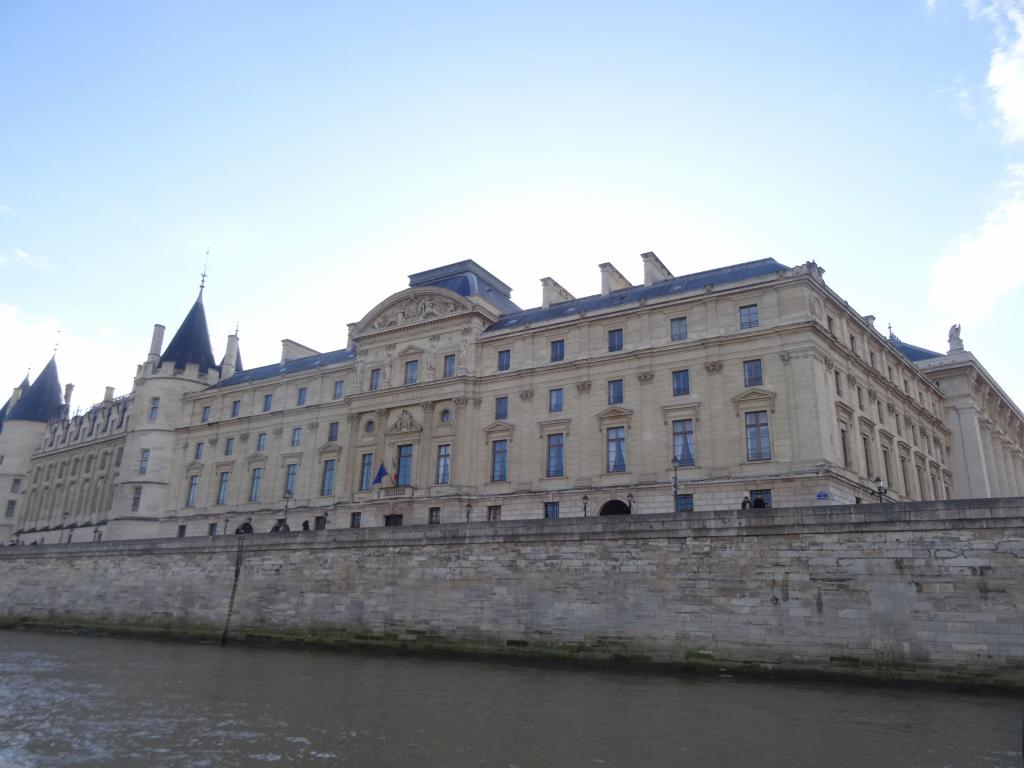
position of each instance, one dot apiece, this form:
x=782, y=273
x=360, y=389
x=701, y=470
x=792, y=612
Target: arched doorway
x=614, y=507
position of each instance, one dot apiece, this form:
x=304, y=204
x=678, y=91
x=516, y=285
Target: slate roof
x=191, y=344
x=912, y=353
x=681, y=284
x=292, y=366
x=467, y=278
x=238, y=361
x=44, y=399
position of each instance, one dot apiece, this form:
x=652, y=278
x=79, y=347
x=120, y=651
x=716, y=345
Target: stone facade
x=921, y=591
x=449, y=404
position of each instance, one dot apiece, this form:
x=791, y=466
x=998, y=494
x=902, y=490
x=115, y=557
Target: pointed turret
x=43, y=400
x=191, y=343
x=19, y=390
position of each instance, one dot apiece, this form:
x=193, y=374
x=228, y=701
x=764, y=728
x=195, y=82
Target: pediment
x=687, y=408
x=195, y=466
x=554, y=425
x=752, y=397
x=404, y=423
x=499, y=426
x=410, y=307
x=411, y=350
x=614, y=412
x=255, y=458
x=329, y=447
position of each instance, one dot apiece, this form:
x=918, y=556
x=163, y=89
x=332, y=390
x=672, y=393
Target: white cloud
x=986, y=265
x=1006, y=69
x=929, y=5
x=24, y=258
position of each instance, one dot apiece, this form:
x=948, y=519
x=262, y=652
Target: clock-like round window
x=446, y=416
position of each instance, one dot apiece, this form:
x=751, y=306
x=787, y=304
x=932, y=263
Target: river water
x=80, y=701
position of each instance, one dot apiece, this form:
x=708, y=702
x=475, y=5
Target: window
x=154, y=408
x=853, y=344
x=494, y=513
x=355, y=520
x=617, y=449
x=236, y=407
x=831, y=324
x=16, y=485
x=143, y=461
x=136, y=498
x=339, y=390
x=868, y=469
x=332, y=432
x=375, y=379
x=300, y=399
x=906, y=478
x=551, y=510
x=205, y=414
x=412, y=371
x=118, y=455
x=211, y=529
x=684, y=502
x=268, y=402
x=444, y=464
x=446, y=416
x=500, y=408
x=761, y=498
x=499, y=460
x=844, y=441
x=327, y=481
x=556, y=455
x=193, y=488
x=261, y=442
x=683, y=442
x=871, y=355
x=392, y=521
x=752, y=373
x=289, y=480
x=555, y=399
x=449, y=366
x=679, y=329
x=860, y=398
x=254, y=484
x=615, y=340
x=296, y=437
x=557, y=350
x=615, y=392
x=365, y=471
x=404, y=465
x=504, y=359
x=890, y=373
x=886, y=464
x=222, y=488
x=749, y=317
x=758, y=440
x=434, y=516
x=181, y=531
x=839, y=383
x=680, y=383
x=11, y=506
x=320, y=523
x=199, y=452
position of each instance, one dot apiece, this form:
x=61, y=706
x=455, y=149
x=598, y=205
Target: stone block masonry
x=924, y=591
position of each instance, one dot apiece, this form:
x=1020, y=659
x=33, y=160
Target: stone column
x=461, y=449
x=990, y=465
x=970, y=474
x=1002, y=483
x=1012, y=486
x=351, y=479
x=425, y=461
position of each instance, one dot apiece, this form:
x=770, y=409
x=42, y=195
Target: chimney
x=292, y=350
x=156, y=344
x=612, y=279
x=553, y=292
x=230, y=361
x=108, y=395
x=654, y=270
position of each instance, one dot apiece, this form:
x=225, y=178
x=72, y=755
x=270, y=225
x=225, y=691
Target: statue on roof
x=956, y=344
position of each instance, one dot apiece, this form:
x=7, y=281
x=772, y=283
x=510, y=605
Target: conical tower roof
x=22, y=389
x=191, y=343
x=43, y=400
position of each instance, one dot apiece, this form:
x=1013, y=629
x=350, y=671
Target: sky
x=324, y=151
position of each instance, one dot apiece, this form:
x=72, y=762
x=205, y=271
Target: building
x=449, y=404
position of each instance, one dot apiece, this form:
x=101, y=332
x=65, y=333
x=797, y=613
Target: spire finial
x=236, y=327
x=56, y=343
x=206, y=263
x=890, y=330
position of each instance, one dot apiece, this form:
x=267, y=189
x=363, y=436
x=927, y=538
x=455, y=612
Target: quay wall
x=930, y=591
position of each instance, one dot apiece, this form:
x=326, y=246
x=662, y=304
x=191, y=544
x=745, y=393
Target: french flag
x=381, y=474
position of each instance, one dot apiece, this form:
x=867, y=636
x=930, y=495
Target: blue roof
x=467, y=278
x=682, y=284
x=191, y=344
x=43, y=400
x=292, y=366
x=912, y=353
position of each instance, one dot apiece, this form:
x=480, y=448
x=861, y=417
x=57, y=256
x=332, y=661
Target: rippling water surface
x=77, y=701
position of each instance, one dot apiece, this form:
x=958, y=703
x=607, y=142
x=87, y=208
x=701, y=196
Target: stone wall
x=926, y=591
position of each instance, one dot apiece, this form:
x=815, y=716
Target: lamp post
x=585, y=500
x=881, y=489
x=629, y=500
x=675, y=482
x=469, y=510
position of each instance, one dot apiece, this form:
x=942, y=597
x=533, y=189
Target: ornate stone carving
x=404, y=423
x=460, y=402
x=381, y=413
x=313, y=425
x=427, y=407
x=715, y=366
x=415, y=309
x=785, y=357
x=851, y=380
x=956, y=344
x=582, y=387
x=645, y=377
x=829, y=363
x=526, y=394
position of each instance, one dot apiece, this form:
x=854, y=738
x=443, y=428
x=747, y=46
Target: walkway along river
x=80, y=701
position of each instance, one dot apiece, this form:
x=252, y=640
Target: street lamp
x=881, y=489
x=469, y=510
x=675, y=482
x=585, y=500
x=629, y=499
